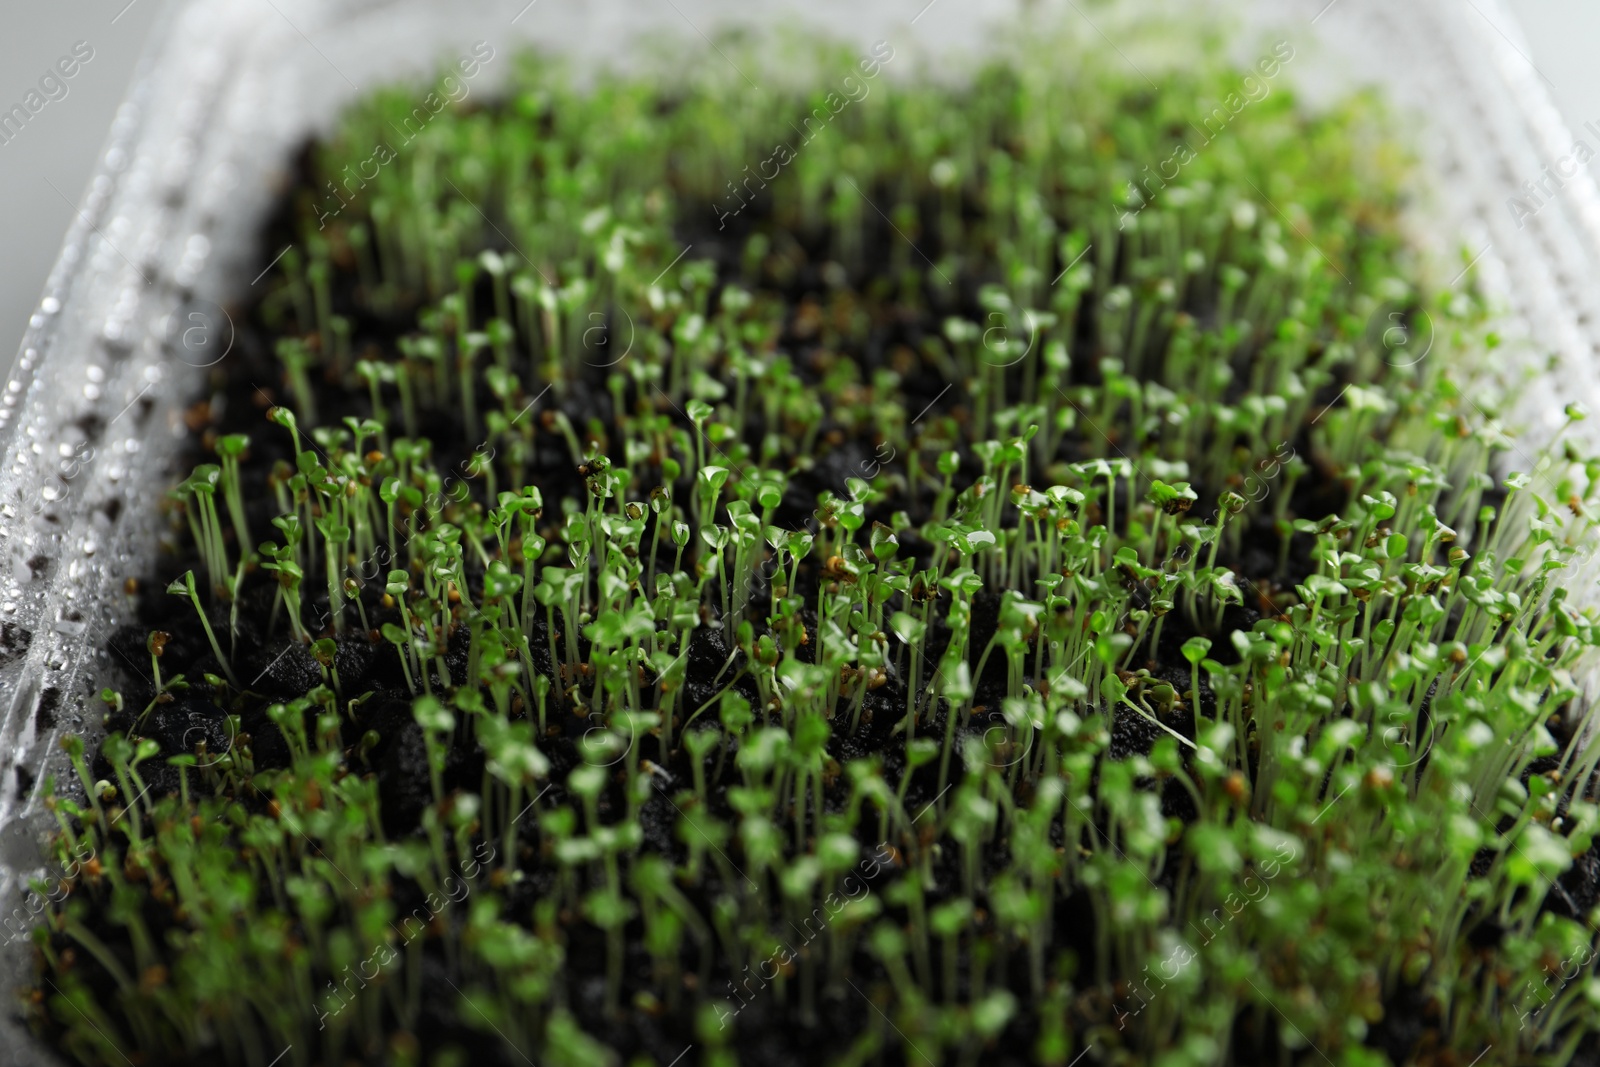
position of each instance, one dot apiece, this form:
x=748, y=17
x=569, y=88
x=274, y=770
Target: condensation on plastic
x=91, y=418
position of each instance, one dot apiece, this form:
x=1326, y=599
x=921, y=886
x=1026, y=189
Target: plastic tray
x=90, y=419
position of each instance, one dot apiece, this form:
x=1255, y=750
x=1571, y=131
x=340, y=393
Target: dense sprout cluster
x=932, y=614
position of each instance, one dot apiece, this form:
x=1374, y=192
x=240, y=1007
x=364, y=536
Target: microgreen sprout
x=184, y=587
x=1033, y=638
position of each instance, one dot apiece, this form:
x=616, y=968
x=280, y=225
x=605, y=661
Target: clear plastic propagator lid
x=91, y=419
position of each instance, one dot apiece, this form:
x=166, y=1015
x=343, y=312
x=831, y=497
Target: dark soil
x=772, y=1030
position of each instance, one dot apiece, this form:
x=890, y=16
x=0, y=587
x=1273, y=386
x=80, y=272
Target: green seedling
x=185, y=587
x=804, y=619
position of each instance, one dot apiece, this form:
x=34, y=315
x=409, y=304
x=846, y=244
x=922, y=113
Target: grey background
x=60, y=144
x=43, y=171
